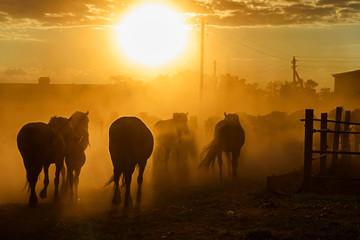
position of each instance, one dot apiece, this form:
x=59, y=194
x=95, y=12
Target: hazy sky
x=75, y=40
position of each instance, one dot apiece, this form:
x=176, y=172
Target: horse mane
x=62, y=127
x=57, y=123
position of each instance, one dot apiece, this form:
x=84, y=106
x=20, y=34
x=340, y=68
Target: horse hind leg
x=140, y=181
x=229, y=162
x=56, y=181
x=70, y=183
x=235, y=163
x=128, y=199
x=43, y=192
x=219, y=155
x=32, y=176
x=117, y=195
x=64, y=179
x=76, y=185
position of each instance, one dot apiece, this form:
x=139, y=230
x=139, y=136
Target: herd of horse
x=63, y=141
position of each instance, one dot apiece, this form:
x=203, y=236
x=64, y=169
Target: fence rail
x=332, y=121
x=341, y=132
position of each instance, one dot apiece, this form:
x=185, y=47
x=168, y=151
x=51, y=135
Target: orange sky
x=74, y=41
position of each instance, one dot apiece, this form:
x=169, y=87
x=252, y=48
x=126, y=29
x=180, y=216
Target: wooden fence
x=341, y=132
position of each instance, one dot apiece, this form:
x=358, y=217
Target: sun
x=152, y=34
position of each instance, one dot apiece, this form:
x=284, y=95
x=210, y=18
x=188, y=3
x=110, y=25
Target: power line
x=241, y=37
x=254, y=49
x=329, y=57
x=237, y=50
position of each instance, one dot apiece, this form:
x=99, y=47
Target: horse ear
x=225, y=114
x=87, y=113
x=70, y=118
x=186, y=113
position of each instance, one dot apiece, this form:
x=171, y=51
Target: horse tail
x=26, y=186
x=112, y=179
x=208, y=155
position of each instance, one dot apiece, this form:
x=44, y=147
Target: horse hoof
x=128, y=202
x=75, y=200
x=43, y=194
x=138, y=198
x=116, y=201
x=117, y=198
x=33, y=202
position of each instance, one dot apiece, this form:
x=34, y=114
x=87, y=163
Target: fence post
x=309, y=126
x=345, y=146
x=323, y=144
x=335, y=157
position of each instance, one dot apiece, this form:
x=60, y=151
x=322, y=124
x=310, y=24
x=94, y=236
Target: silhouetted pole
x=323, y=144
x=335, y=157
x=309, y=126
x=294, y=69
x=346, y=158
x=202, y=59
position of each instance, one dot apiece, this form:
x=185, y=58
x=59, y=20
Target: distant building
x=44, y=80
x=347, y=84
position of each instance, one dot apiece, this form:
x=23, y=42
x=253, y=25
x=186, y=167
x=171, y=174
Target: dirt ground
x=234, y=209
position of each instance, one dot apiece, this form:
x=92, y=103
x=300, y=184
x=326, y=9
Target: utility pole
x=202, y=59
x=297, y=81
x=294, y=69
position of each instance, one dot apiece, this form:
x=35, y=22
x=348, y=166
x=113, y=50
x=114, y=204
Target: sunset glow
x=152, y=34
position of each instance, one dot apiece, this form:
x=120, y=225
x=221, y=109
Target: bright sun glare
x=152, y=34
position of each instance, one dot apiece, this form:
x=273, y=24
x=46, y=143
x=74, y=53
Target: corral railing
x=341, y=131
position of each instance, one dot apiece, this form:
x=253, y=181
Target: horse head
x=232, y=117
x=80, y=122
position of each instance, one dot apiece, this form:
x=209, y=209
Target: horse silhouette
x=229, y=137
x=40, y=145
x=80, y=123
x=131, y=143
x=169, y=135
x=75, y=154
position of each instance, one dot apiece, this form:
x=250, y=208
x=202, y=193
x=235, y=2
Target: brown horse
x=75, y=154
x=169, y=135
x=229, y=137
x=130, y=143
x=40, y=145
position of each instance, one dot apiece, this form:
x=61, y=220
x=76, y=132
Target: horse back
x=37, y=142
x=130, y=136
x=230, y=134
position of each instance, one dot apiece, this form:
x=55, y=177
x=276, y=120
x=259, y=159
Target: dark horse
x=75, y=154
x=130, y=143
x=229, y=137
x=169, y=135
x=40, y=145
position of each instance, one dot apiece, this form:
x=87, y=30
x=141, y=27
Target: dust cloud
x=270, y=118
